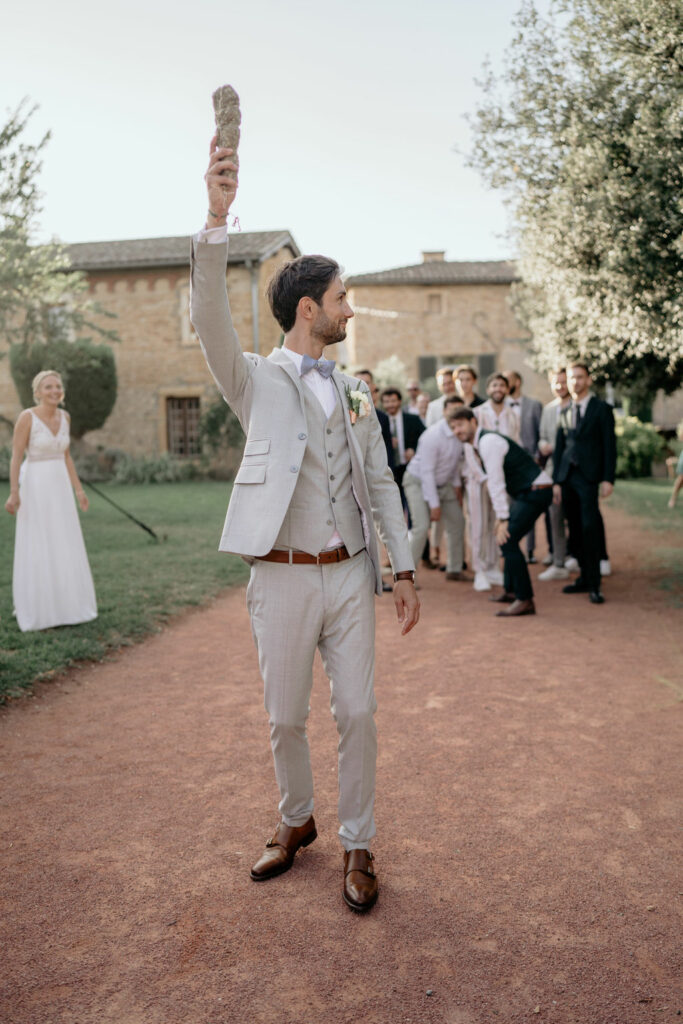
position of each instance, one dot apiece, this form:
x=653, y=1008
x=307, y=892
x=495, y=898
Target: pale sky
x=350, y=119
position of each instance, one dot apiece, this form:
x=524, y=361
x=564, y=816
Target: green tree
x=583, y=132
x=88, y=372
x=40, y=297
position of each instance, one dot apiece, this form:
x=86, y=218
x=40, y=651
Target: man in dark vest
x=584, y=464
x=520, y=492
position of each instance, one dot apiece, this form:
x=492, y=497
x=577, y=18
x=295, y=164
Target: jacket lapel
x=283, y=361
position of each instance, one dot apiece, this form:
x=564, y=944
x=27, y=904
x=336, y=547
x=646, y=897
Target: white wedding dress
x=52, y=583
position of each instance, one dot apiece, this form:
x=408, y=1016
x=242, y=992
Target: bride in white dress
x=52, y=584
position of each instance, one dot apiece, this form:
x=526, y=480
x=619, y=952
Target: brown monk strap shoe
x=280, y=850
x=360, y=882
x=517, y=608
x=503, y=598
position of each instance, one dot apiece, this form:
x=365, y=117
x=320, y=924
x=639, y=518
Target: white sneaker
x=605, y=567
x=555, y=572
x=481, y=582
x=548, y=560
x=495, y=576
x=571, y=564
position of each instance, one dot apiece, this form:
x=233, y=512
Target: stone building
x=439, y=312
x=163, y=380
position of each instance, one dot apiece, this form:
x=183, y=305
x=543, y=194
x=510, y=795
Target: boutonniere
x=358, y=403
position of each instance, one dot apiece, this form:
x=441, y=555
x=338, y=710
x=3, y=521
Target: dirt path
x=527, y=834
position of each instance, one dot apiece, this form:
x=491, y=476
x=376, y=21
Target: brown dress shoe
x=360, y=882
x=503, y=598
x=280, y=850
x=517, y=608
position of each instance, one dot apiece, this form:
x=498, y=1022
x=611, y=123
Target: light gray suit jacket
x=266, y=396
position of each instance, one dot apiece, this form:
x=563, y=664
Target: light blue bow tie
x=323, y=366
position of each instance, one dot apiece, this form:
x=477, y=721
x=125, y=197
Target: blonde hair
x=40, y=377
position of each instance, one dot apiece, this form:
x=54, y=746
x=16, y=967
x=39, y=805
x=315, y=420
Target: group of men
x=509, y=460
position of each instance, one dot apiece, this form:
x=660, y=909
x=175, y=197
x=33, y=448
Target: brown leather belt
x=540, y=487
x=302, y=558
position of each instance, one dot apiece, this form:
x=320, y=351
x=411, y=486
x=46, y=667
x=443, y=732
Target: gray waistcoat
x=323, y=498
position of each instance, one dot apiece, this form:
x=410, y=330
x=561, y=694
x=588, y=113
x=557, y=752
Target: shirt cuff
x=214, y=236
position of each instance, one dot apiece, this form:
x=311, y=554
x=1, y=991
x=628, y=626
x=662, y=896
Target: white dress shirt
x=582, y=406
x=436, y=461
x=396, y=426
x=505, y=420
x=493, y=448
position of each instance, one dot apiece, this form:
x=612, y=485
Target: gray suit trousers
x=295, y=609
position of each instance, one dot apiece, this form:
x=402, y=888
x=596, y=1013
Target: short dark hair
x=463, y=414
x=368, y=373
x=454, y=400
x=580, y=366
x=497, y=376
x=392, y=391
x=470, y=369
x=305, y=276
x=560, y=369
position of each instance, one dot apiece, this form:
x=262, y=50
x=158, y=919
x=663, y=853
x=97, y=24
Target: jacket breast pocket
x=256, y=448
x=252, y=473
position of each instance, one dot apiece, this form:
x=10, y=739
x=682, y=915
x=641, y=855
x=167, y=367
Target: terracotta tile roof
x=143, y=253
x=438, y=272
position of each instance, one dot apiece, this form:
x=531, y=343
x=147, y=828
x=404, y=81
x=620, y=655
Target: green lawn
x=647, y=500
x=139, y=583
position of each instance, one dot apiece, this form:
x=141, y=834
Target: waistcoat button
x=302, y=437
x=329, y=455
x=329, y=431
x=293, y=469
x=331, y=476
x=333, y=500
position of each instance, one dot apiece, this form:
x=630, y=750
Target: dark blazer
x=386, y=436
x=594, y=448
x=412, y=428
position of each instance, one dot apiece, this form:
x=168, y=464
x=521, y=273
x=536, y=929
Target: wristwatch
x=409, y=574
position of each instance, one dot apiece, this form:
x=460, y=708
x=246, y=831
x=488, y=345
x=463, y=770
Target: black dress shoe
x=531, y=559
x=577, y=587
x=596, y=597
x=503, y=598
x=517, y=608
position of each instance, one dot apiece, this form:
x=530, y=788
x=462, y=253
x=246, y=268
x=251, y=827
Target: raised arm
x=209, y=306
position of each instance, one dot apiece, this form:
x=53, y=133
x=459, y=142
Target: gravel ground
x=528, y=841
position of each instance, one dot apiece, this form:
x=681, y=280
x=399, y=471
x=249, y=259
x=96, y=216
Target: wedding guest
x=495, y=413
x=465, y=380
x=433, y=489
x=678, y=482
x=405, y=432
x=446, y=385
x=369, y=379
x=423, y=400
x=51, y=583
x=546, y=445
x=528, y=412
x=584, y=465
x=520, y=492
x=413, y=392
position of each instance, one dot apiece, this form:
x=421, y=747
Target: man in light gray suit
x=313, y=478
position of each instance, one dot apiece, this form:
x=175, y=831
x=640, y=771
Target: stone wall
x=455, y=320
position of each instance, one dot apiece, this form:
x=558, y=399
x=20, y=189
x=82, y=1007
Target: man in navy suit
x=369, y=379
x=584, y=464
x=405, y=432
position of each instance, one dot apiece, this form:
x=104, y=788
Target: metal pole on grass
x=122, y=510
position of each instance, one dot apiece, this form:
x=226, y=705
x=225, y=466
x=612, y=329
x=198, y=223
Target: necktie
x=578, y=417
x=323, y=366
